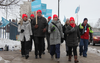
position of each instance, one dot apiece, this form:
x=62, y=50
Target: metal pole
x=6, y=18
x=58, y=8
x=77, y=18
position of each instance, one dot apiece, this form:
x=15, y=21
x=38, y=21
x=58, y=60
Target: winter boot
x=75, y=59
x=69, y=59
x=27, y=56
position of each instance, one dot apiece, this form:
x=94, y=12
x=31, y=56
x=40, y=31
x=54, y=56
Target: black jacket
x=42, y=23
x=64, y=29
x=32, y=26
x=72, y=37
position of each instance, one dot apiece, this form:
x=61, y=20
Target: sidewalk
x=15, y=57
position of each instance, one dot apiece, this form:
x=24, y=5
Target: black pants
x=74, y=50
x=25, y=47
x=43, y=45
x=38, y=41
x=48, y=42
x=31, y=42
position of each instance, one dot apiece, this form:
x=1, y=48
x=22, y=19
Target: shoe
x=80, y=54
x=27, y=56
x=85, y=56
x=69, y=58
x=36, y=57
x=40, y=57
x=75, y=59
x=58, y=59
x=23, y=55
x=43, y=52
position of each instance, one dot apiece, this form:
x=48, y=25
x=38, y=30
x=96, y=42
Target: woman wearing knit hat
x=55, y=30
x=72, y=32
x=24, y=28
x=65, y=36
x=32, y=36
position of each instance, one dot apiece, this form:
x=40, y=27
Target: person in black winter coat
x=65, y=36
x=73, y=34
x=32, y=36
x=39, y=33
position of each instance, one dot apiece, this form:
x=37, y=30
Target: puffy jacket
x=72, y=37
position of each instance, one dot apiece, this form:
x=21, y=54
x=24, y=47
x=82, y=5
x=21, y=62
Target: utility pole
x=58, y=7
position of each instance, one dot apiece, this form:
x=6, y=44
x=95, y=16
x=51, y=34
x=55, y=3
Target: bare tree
x=10, y=2
x=97, y=25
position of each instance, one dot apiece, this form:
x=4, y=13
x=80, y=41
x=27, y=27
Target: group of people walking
x=37, y=28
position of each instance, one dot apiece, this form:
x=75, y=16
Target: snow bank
x=94, y=50
x=11, y=43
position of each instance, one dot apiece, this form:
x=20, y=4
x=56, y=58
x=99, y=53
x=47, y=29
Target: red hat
x=39, y=11
x=24, y=15
x=32, y=15
x=49, y=17
x=55, y=16
x=71, y=19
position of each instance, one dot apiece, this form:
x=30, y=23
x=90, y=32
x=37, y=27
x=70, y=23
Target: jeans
x=83, y=46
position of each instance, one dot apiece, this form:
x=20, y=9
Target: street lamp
x=58, y=7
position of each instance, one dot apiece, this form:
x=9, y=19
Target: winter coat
x=42, y=23
x=55, y=36
x=85, y=35
x=26, y=26
x=64, y=29
x=72, y=37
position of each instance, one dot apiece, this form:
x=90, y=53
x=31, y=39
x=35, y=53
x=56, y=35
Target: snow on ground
x=3, y=61
x=94, y=50
x=10, y=43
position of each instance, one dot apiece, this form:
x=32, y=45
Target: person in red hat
x=32, y=37
x=24, y=28
x=39, y=33
x=72, y=32
x=48, y=35
x=55, y=30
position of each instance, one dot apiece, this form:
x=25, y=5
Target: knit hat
x=39, y=11
x=24, y=15
x=85, y=19
x=55, y=16
x=71, y=19
x=49, y=17
x=32, y=15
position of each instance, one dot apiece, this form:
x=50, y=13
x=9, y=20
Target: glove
x=52, y=29
x=72, y=30
x=36, y=26
x=44, y=30
x=22, y=31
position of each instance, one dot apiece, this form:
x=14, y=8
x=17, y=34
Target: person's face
x=55, y=19
x=25, y=18
x=67, y=22
x=85, y=22
x=39, y=13
x=31, y=17
x=72, y=22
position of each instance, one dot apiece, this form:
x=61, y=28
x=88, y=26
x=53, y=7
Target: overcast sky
x=88, y=8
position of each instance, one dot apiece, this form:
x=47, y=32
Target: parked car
x=96, y=38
